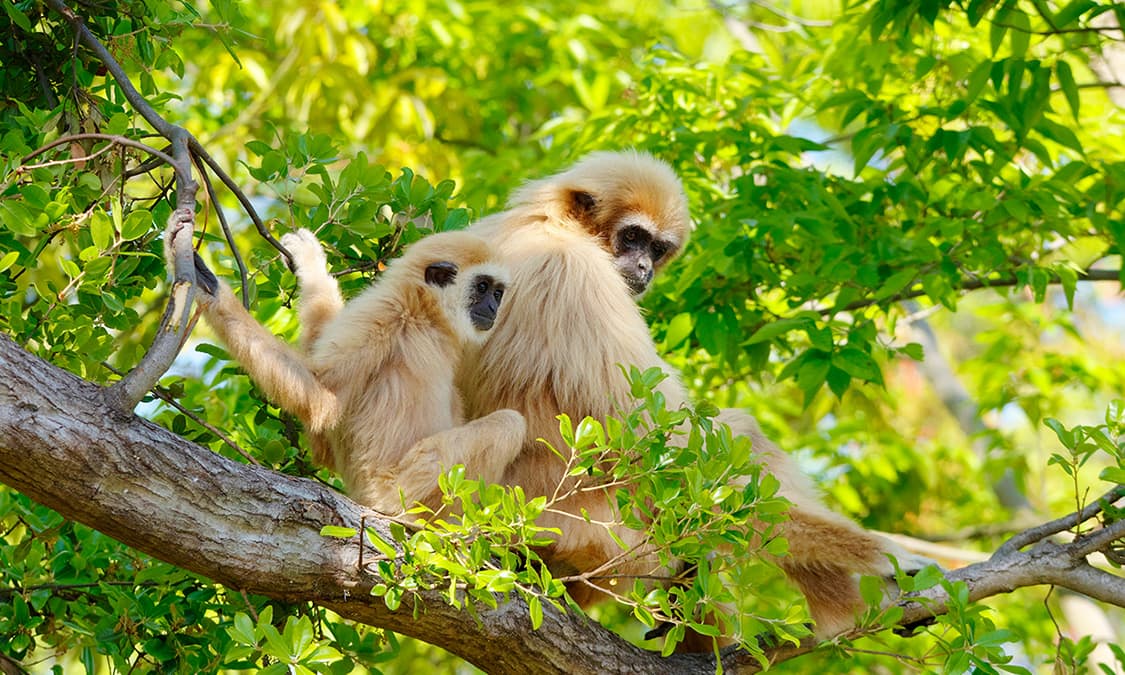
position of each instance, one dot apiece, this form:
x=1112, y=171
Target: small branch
x=973, y=285
x=174, y=325
x=243, y=275
x=112, y=138
x=1097, y=540
x=248, y=207
x=1030, y=536
x=11, y=666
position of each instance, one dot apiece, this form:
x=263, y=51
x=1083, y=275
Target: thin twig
x=247, y=206
x=243, y=274
x=973, y=285
x=114, y=139
x=1030, y=536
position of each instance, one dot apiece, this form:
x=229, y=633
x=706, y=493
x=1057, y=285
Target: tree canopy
x=907, y=263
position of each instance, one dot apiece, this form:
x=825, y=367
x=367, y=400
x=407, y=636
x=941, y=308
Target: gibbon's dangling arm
x=484, y=446
x=320, y=299
x=275, y=367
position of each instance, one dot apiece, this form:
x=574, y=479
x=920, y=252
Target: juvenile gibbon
x=581, y=246
x=375, y=384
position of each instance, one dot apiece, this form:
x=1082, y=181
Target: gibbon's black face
x=635, y=254
x=484, y=301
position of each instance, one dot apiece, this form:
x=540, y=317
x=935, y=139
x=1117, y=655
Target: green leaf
x=535, y=607
x=997, y=30
x=771, y=330
x=337, y=531
x=895, y=283
x=1020, y=32
x=1113, y=474
x=8, y=260
x=243, y=629
x=858, y=364
x=1065, y=436
x=136, y=224
x=679, y=328
x=17, y=17
x=1069, y=88
x=382, y=545
x=17, y=217
x=101, y=230
x=928, y=577
x=914, y=351
x=1067, y=16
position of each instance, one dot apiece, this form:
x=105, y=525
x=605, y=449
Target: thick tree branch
x=252, y=529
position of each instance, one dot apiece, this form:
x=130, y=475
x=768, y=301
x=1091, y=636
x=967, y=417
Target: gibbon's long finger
x=274, y=366
x=320, y=299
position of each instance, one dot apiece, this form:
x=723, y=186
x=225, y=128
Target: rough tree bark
x=62, y=444
x=65, y=445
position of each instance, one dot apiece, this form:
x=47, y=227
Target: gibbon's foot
x=660, y=630
x=912, y=629
x=179, y=219
x=306, y=250
x=204, y=277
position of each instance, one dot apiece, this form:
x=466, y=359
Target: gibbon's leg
x=826, y=550
x=275, y=367
x=320, y=297
x=484, y=446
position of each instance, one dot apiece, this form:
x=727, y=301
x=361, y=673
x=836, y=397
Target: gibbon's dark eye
x=629, y=236
x=498, y=294
x=658, y=249
x=482, y=287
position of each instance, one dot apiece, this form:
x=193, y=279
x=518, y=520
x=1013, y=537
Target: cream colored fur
x=570, y=323
x=558, y=347
x=375, y=389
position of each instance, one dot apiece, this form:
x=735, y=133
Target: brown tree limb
x=1004, y=281
x=127, y=392
x=256, y=530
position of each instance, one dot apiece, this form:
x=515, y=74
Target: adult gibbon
x=581, y=245
x=375, y=387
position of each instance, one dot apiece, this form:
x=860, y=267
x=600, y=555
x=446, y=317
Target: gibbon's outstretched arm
x=320, y=298
x=283, y=374
x=385, y=362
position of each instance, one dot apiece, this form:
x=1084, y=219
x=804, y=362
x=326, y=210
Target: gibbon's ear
x=582, y=203
x=441, y=274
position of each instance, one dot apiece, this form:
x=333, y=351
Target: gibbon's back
x=570, y=321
